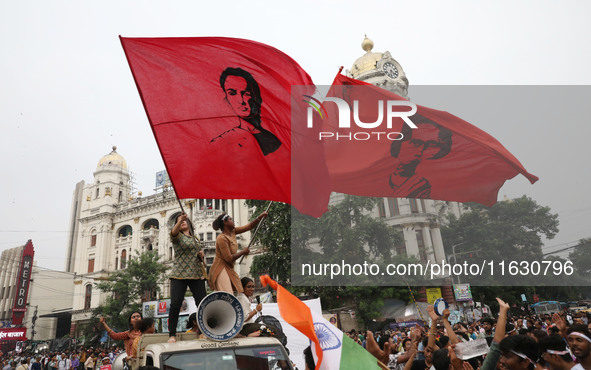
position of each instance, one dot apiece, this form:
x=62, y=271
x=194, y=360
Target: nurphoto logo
x=386, y=110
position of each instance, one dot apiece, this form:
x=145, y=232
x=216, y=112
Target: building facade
x=109, y=225
x=47, y=291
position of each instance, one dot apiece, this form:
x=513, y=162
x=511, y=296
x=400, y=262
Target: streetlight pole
x=453, y=249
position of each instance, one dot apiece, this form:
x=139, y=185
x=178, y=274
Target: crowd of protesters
x=81, y=359
x=559, y=342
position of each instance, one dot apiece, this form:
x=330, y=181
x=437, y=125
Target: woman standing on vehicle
x=222, y=276
x=188, y=271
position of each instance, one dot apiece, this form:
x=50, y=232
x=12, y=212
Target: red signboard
x=13, y=334
x=162, y=307
x=22, y=287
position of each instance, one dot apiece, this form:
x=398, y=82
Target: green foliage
x=512, y=231
x=127, y=286
x=274, y=235
x=581, y=257
x=514, y=227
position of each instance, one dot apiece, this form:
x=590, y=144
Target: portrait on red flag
x=434, y=142
x=378, y=153
x=244, y=97
x=221, y=112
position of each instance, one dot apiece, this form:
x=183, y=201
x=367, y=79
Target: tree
x=141, y=278
x=507, y=228
x=275, y=237
x=581, y=258
x=511, y=231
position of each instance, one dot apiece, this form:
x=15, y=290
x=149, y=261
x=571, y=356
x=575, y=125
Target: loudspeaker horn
x=220, y=316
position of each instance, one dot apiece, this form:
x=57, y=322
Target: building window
x=217, y=204
x=120, y=197
x=97, y=192
x=393, y=207
x=381, y=208
x=209, y=236
x=87, y=296
x=423, y=205
x=123, y=258
x=91, y=265
x=401, y=249
x=421, y=245
x=413, y=206
x=116, y=263
x=124, y=231
x=93, y=239
x=201, y=236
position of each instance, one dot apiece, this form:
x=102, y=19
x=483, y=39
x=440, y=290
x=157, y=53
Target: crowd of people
x=559, y=342
x=81, y=359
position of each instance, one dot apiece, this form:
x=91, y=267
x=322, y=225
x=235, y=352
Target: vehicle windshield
x=251, y=358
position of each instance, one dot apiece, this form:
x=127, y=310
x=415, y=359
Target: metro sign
x=22, y=289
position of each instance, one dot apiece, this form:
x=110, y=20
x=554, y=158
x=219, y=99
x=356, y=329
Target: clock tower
x=379, y=69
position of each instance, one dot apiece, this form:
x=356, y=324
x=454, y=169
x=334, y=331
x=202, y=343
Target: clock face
x=390, y=70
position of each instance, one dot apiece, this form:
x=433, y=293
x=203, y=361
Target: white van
x=190, y=353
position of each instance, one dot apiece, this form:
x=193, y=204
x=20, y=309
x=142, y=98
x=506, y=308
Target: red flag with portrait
x=220, y=109
x=444, y=158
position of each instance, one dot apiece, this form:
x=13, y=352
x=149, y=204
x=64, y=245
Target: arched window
x=151, y=224
x=93, y=238
x=123, y=258
x=124, y=231
x=87, y=296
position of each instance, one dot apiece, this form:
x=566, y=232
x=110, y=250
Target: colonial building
x=109, y=225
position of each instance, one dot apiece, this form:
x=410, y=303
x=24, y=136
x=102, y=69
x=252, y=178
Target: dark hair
x=556, y=343
x=309, y=358
x=218, y=224
x=245, y=280
x=129, y=318
x=444, y=340
x=539, y=333
x=581, y=328
x=146, y=324
x=445, y=136
x=255, y=101
x=487, y=320
x=441, y=360
x=176, y=219
x=404, y=342
x=521, y=344
x=192, y=317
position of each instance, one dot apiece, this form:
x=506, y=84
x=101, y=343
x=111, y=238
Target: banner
x=13, y=334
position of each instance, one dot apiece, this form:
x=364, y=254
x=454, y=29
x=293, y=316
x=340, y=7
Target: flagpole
x=255, y=232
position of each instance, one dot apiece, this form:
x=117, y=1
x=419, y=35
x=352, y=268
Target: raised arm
x=453, y=338
x=250, y=225
x=500, y=330
x=177, y=227
x=432, y=328
x=115, y=336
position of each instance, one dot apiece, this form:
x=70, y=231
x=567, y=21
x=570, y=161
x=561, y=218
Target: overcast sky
x=67, y=95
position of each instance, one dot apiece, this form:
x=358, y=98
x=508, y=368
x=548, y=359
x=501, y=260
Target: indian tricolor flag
x=332, y=349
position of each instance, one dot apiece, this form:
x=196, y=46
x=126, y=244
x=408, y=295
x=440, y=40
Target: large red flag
x=443, y=158
x=220, y=109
